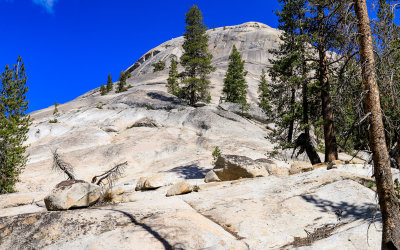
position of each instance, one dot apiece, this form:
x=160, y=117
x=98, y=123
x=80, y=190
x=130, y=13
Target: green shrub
x=158, y=66
x=216, y=153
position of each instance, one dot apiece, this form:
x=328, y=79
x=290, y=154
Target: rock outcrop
x=180, y=188
x=211, y=176
x=300, y=167
x=72, y=194
x=259, y=213
x=233, y=167
x=153, y=182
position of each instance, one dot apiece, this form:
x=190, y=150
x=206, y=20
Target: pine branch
x=62, y=166
x=110, y=175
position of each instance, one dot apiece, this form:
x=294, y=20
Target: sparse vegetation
x=55, y=111
x=103, y=90
x=158, y=66
x=100, y=105
x=121, y=87
x=216, y=153
x=108, y=177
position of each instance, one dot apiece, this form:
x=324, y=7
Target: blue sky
x=70, y=46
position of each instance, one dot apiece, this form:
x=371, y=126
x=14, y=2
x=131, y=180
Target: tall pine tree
x=103, y=90
x=109, y=85
x=235, y=87
x=14, y=125
x=264, y=94
x=173, y=83
x=196, y=59
x=387, y=47
x=290, y=72
x=122, y=82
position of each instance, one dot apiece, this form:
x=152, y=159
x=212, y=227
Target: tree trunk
x=310, y=150
x=331, y=153
x=291, y=125
x=388, y=201
x=398, y=150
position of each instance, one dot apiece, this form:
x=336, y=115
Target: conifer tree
x=14, y=125
x=55, y=111
x=109, y=83
x=122, y=82
x=387, y=48
x=290, y=72
x=158, y=66
x=173, y=84
x=196, y=59
x=103, y=90
x=235, y=87
x=264, y=93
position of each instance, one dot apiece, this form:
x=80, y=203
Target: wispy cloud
x=47, y=4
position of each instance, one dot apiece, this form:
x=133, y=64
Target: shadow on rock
x=147, y=228
x=161, y=97
x=190, y=171
x=345, y=210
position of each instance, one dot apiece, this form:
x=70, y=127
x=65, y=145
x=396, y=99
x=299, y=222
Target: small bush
x=158, y=66
x=55, y=111
x=107, y=197
x=216, y=153
x=100, y=105
x=53, y=121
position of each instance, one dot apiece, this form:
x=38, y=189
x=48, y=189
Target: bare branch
x=62, y=166
x=110, y=175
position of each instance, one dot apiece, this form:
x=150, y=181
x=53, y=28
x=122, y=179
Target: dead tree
x=110, y=175
x=62, y=166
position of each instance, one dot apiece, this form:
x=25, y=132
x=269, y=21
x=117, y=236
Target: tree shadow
x=161, y=97
x=190, y=171
x=155, y=234
x=345, y=210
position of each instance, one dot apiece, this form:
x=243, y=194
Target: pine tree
x=173, y=84
x=55, y=111
x=109, y=83
x=103, y=90
x=158, y=66
x=290, y=73
x=14, y=125
x=196, y=59
x=264, y=93
x=122, y=82
x=235, y=87
x=386, y=45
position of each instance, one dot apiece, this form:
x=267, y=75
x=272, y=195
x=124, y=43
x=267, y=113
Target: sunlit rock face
x=168, y=147
x=94, y=132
